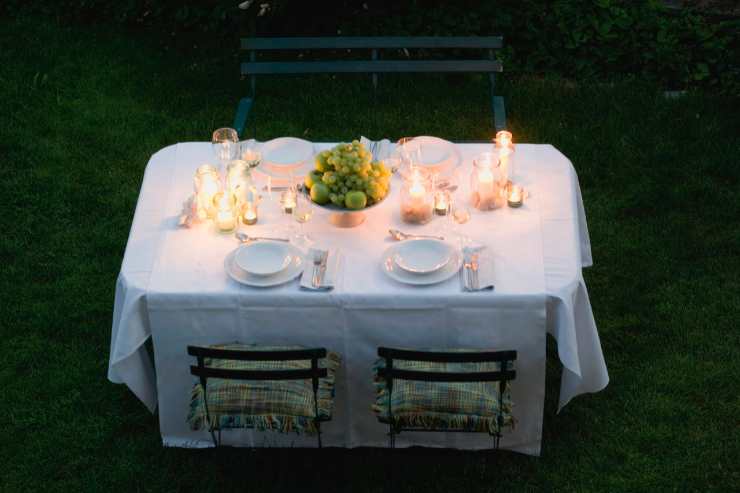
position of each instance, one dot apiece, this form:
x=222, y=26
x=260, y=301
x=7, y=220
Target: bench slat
x=356, y=42
x=375, y=66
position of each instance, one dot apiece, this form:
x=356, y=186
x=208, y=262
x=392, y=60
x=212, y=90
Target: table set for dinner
x=421, y=243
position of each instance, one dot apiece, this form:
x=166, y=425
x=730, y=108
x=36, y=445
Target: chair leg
x=318, y=433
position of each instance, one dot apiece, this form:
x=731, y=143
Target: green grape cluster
x=347, y=169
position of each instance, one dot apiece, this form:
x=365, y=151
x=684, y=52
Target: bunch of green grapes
x=353, y=179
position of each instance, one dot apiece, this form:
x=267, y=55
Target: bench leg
x=499, y=113
x=242, y=113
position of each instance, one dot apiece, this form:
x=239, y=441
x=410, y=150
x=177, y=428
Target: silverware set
x=319, y=267
x=471, y=281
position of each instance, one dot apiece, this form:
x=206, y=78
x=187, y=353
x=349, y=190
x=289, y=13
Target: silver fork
x=319, y=261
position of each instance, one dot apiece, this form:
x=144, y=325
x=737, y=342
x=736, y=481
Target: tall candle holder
x=486, y=192
x=207, y=184
x=417, y=197
x=225, y=212
x=504, y=147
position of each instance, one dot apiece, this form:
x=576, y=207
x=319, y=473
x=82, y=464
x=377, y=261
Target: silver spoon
x=245, y=238
x=400, y=235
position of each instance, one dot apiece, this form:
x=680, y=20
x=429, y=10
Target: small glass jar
x=417, y=197
x=225, y=212
x=486, y=191
x=207, y=185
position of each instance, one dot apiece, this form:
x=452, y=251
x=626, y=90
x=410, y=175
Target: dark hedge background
x=598, y=39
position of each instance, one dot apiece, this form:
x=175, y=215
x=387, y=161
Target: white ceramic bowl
x=422, y=255
x=263, y=258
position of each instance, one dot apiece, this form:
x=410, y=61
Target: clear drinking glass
x=250, y=151
x=302, y=213
x=225, y=145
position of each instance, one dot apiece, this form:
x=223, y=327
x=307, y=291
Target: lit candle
x=288, y=200
x=416, y=205
x=250, y=214
x=441, y=204
x=225, y=218
x=516, y=196
x=505, y=147
x=486, y=185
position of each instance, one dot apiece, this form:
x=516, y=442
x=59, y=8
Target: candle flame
x=503, y=138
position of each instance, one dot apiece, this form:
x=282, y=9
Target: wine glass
x=225, y=145
x=250, y=151
x=302, y=213
x=459, y=212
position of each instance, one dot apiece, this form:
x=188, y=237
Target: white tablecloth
x=173, y=288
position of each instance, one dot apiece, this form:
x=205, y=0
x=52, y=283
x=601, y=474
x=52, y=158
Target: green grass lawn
x=82, y=111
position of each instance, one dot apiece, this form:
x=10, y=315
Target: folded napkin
x=480, y=257
x=382, y=147
x=330, y=276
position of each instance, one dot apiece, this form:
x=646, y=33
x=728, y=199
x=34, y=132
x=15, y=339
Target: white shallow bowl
x=285, y=154
x=392, y=270
x=422, y=255
x=293, y=270
x=263, y=258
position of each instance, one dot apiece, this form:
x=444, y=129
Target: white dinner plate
x=395, y=272
x=435, y=154
x=293, y=270
x=422, y=255
x=263, y=258
x=286, y=154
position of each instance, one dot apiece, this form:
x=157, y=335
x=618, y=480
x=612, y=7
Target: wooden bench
x=375, y=65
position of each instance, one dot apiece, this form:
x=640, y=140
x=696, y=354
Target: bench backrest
x=373, y=65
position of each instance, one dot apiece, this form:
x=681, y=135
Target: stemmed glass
x=302, y=213
x=458, y=213
x=225, y=145
x=250, y=151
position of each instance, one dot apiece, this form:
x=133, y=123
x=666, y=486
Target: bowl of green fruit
x=346, y=181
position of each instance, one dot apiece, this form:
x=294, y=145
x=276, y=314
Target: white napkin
x=485, y=268
x=330, y=276
x=382, y=149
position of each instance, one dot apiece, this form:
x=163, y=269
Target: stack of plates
x=421, y=261
x=264, y=263
x=432, y=153
x=285, y=156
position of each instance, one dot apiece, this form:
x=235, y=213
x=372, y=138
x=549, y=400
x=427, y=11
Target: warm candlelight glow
x=505, y=148
x=288, y=201
x=515, y=196
x=441, y=203
x=224, y=216
x=417, y=201
x=503, y=138
x=250, y=215
x=486, y=182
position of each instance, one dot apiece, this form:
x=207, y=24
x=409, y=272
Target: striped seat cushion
x=279, y=405
x=453, y=406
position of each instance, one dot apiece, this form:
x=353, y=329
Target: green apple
x=311, y=178
x=354, y=199
x=320, y=193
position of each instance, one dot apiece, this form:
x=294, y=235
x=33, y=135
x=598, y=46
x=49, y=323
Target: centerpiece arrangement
x=346, y=181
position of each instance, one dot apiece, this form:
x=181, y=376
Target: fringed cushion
x=453, y=406
x=279, y=405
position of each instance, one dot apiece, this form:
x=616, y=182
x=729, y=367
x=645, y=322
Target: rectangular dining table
x=173, y=288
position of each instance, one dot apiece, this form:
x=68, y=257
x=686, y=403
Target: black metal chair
x=240, y=397
x=462, y=391
x=375, y=46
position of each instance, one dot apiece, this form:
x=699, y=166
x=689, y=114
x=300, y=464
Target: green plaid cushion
x=454, y=406
x=280, y=405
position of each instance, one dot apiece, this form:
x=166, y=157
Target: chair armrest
x=242, y=112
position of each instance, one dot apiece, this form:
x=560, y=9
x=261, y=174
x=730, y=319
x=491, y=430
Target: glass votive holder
x=486, y=192
x=249, y=215
x=288, y=200
x=207, y=184
x=514, y=195
x=417, y=198
x=225, y=214
x=442, y=202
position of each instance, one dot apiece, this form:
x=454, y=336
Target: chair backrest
x=502, y=376
x=204, y=372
